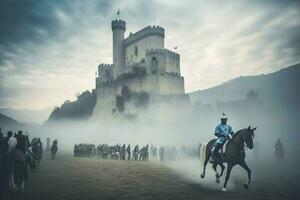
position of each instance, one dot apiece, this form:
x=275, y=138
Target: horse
x=37, y=151
x=54, y=150
x=234, y=154
x=16, y=164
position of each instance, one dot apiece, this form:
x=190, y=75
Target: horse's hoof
x=202, y=176
x=246, y=185
x=218, y=180
x=224, y=189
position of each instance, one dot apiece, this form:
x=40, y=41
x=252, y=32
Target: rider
x=223, y=132
x=11, y=142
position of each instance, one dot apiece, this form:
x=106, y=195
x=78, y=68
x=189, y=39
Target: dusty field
x=84, y=178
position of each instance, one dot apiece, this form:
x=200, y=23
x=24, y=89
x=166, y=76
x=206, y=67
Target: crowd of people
x=115, y=152
x=16, y=152
x=19, y=141
x=123, y=152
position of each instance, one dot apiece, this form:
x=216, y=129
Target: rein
x=244, y=145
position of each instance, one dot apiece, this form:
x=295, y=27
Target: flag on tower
x=118, y=13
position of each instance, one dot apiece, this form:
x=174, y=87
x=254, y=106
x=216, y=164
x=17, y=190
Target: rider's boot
x=212, y=157
x=214, y=154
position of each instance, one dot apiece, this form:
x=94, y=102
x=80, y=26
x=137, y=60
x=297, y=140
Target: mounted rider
x=223, y=133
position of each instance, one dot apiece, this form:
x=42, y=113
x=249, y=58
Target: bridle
x=245, y=144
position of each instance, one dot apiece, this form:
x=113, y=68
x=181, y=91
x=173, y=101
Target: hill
x=7, y=123
x=81, y=108
x=26, y=115
x=281, y=88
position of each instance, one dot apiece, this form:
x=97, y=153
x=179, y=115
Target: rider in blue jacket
x=223, y=132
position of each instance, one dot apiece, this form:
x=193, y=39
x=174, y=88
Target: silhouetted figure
x=54, y=149
x=136, y=151
x=279, y=152
x=128, y=152
x=123, y=152
x=47, y=144
x=162, y=153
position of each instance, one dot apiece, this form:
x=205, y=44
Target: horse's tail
x=203, y=152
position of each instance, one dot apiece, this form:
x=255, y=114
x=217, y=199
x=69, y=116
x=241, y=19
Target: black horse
x=54, y=149
x=233, y=155
x=37, y=151
x=16, y=163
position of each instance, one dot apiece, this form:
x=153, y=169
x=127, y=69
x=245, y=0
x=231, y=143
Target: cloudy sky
x=49, y=50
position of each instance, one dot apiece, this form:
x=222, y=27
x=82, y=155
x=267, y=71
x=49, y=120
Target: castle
x=142, y=68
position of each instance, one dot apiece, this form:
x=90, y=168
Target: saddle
x=223, y=148
x=222, y=152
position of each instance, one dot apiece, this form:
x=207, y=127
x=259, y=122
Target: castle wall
x=155, y=84
x=167, y=61
x=171, y=84
x=138, y=84
x=135, y=52
x=155, y=62
x=172, y=63
x=106, y=97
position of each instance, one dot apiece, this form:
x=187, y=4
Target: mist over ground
x=186, y=125
x=177, y=125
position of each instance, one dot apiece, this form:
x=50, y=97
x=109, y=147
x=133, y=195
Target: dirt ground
x=87, y=178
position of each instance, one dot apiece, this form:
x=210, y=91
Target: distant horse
x=54, y=149
x=37, y=151
x=234, y=154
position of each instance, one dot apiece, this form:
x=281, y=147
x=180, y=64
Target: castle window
x=135, y=50
x=154, y=62
x=154, y=68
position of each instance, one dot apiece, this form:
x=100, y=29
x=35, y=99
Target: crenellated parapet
x=104, y=66
x=105, y=72
x=118, y=24
x=149, y=30
x=162, y=51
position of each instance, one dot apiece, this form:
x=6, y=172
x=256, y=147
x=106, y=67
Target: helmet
x=224, y=116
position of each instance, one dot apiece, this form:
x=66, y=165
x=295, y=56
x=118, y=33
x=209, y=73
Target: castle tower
x=118, y=28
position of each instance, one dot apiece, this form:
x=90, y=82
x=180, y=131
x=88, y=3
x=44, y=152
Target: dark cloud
x=26, y=20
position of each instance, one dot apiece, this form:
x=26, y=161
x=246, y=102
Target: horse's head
x=248, y=137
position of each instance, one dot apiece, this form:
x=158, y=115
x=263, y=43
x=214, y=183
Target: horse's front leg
x=217, y=174
x=204, y=166
x=229, y=168
x=245, y=166
x=222, y=169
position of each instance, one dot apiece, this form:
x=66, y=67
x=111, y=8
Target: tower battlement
x=162, y=51
x=149, y=30
x=118, y=24
x=104, y=66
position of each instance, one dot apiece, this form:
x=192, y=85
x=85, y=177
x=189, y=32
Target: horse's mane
x=238, y=132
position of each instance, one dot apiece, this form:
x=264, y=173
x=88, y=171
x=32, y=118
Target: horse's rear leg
x=204, y=167
x=245, y=166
